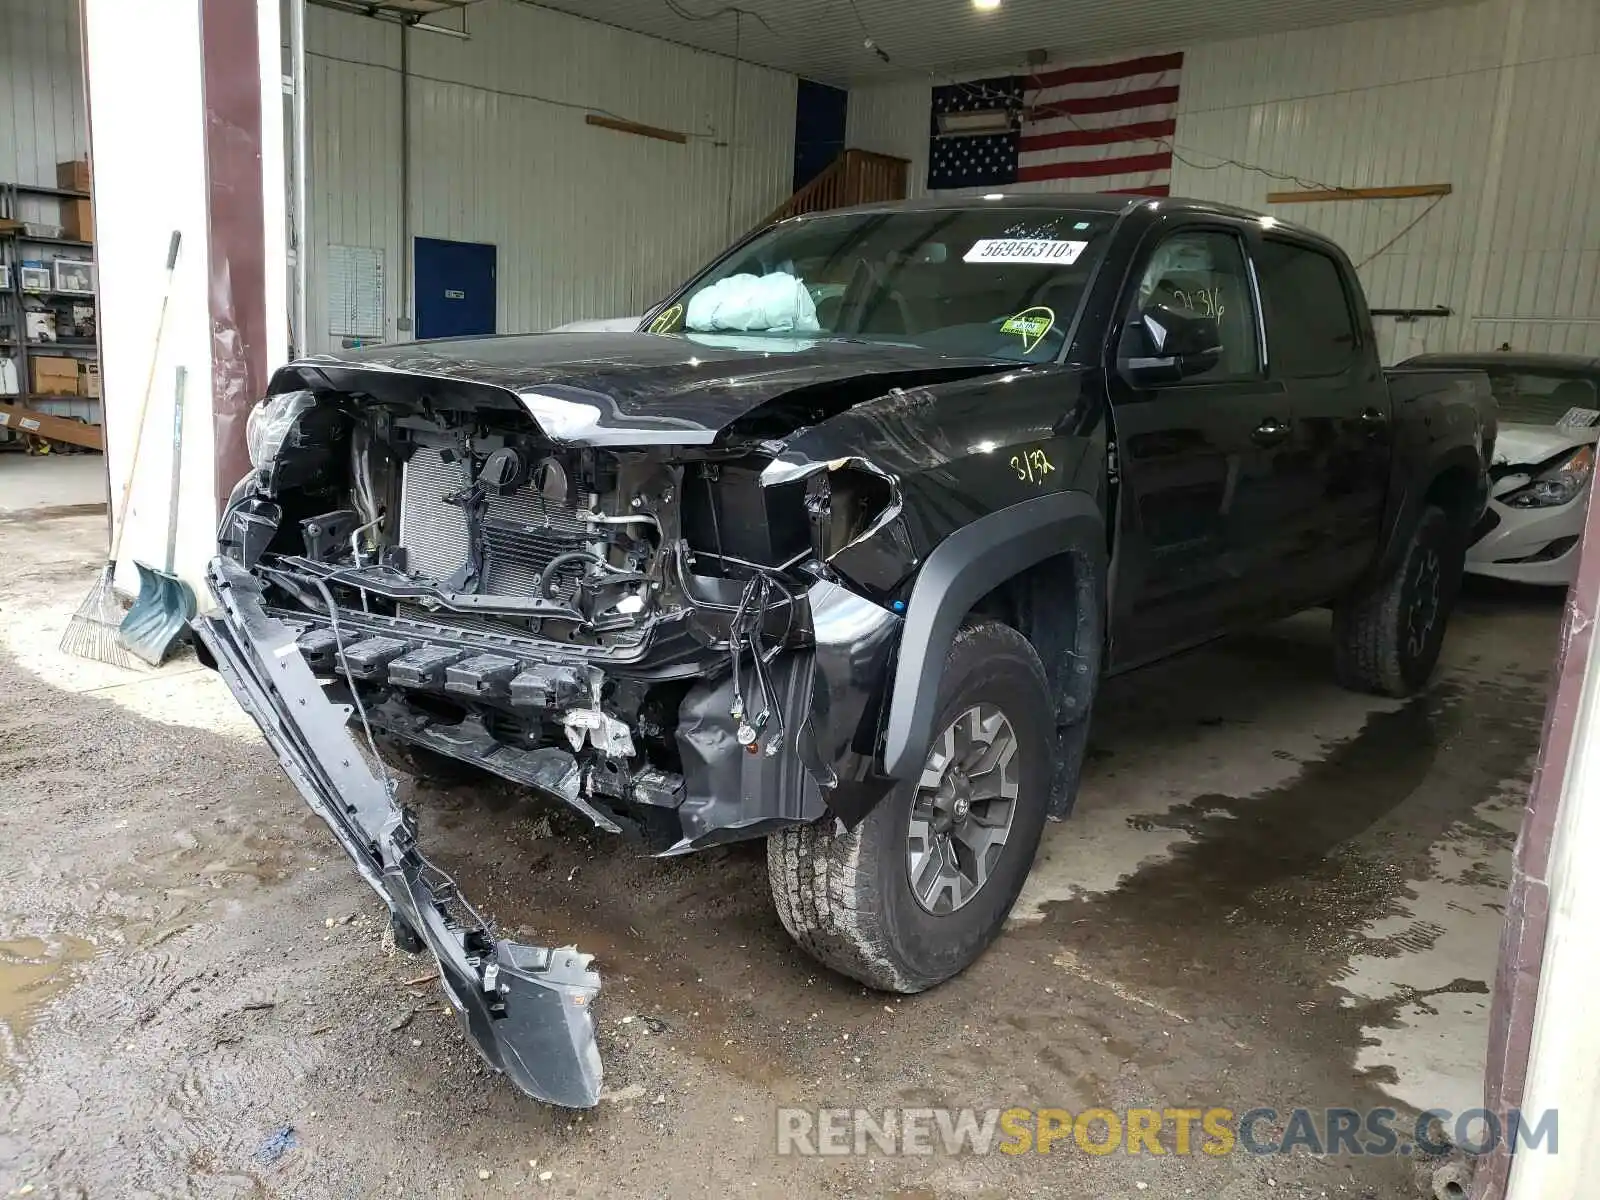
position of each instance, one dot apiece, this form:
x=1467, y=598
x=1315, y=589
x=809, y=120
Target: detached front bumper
x=528, y=1009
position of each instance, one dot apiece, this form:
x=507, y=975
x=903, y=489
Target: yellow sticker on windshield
x=667, y=322
x=1031, y=324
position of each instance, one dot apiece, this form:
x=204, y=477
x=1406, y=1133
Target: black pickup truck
x=834, y=552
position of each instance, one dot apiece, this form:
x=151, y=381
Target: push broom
x=92, y=631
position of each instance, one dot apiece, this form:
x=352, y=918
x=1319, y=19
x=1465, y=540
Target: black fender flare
x=958, y=572
x=1412, y=500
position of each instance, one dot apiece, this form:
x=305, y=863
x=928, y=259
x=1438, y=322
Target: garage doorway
x=455, y=285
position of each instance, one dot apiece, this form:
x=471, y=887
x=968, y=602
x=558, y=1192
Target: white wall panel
x=1397, y=100
x=354, y=175
x=892, y=118
x=588, y=222
x=41, y=95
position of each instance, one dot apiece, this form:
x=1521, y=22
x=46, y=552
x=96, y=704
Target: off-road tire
x=425, y=765
x=846, y=897
x=1377, y=647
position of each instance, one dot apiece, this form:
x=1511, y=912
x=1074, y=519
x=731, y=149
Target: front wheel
x=1387, y=637
x=917, y=891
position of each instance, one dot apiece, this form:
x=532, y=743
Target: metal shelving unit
x=17, y=246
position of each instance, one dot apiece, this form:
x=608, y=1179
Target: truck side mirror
x=1165, y=344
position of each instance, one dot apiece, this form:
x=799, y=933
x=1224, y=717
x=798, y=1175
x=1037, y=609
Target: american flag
x=1106, y=127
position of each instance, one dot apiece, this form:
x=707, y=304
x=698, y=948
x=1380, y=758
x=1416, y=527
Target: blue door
x=455, y=288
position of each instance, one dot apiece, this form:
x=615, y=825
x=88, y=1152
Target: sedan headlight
x=269, y=424
x=1560, y=483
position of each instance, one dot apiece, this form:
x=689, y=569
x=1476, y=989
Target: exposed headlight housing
x=1560, y=483
x=269, y=424
x=843, y=503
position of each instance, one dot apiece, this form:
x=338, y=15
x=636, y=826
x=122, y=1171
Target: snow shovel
x=159, y=617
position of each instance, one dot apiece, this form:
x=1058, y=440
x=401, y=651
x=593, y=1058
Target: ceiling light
x=986, y=5
x=995, y=196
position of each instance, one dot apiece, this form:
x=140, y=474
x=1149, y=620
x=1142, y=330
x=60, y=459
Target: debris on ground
x=277, y=1144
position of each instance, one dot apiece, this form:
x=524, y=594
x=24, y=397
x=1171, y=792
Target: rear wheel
x=916, y=892
x=1387, y=637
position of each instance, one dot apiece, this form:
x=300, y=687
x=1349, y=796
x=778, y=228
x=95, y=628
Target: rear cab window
x=1311, y=325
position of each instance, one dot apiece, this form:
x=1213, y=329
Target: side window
x=1204, y=271
x=1310, y=331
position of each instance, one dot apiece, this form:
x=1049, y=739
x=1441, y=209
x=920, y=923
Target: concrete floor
x=1273, y=893
x=51, y=481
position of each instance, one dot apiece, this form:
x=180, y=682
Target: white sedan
x=1543, y=463
x=600, y=325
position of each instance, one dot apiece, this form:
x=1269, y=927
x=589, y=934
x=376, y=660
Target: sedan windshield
x=1002, y=284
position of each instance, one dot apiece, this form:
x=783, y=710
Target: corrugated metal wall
x=42, y=118
x=1498, y=99
x=588, y=222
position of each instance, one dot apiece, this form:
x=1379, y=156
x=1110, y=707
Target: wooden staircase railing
x=855, y=177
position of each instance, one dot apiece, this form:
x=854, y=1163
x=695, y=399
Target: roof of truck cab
x=1101, y=202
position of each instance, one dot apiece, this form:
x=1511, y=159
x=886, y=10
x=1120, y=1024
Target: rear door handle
x=1373, y=421
x=1270, y=432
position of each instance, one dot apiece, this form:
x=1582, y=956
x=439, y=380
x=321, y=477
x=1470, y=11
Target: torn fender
x=527, y=1009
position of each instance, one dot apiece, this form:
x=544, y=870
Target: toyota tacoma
x=834, y=550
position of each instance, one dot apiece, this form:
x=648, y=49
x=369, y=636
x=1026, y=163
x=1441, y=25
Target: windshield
x=1532, y=399
x=1002, y=284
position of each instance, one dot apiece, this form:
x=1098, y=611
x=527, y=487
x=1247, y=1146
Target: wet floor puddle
x=33, y=972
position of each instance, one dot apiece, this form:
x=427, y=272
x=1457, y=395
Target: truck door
x=1319, y=344
x=1197, y=457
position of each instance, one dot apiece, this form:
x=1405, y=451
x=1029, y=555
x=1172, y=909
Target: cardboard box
x=52, y=376
x=89, y=379
x=77, y=219
x=73, y=175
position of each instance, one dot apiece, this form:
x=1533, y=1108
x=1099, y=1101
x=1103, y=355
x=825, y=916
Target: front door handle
x=1270, y=432
x=1373, y=422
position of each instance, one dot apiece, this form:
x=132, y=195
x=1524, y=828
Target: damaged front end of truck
x=621, y=584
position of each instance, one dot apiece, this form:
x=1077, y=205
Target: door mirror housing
x=1166, y=344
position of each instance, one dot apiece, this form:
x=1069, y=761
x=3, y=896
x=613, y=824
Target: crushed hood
x=622, y=389
x=1530, y=445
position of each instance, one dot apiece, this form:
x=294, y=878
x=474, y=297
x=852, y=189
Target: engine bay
x=604, y=625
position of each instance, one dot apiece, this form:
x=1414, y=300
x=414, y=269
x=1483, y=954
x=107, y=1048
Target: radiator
x=522, y=531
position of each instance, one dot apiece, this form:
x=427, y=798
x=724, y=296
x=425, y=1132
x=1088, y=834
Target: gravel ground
x=198, y=995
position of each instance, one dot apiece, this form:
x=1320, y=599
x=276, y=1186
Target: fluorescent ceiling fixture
x=985, y=5
x=988, y=120
x=995, y=196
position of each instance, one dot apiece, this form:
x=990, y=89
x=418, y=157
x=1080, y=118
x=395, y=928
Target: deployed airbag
x=775, y=303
